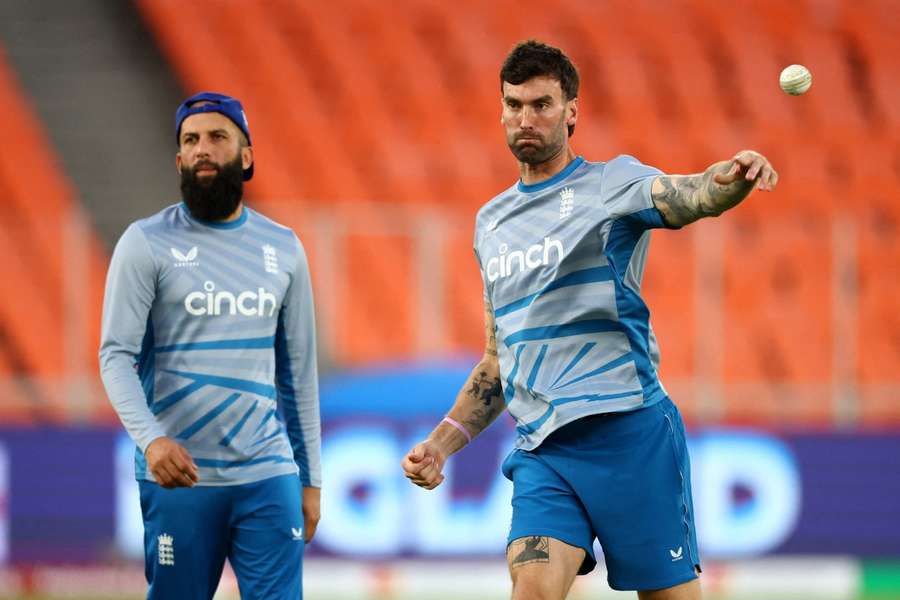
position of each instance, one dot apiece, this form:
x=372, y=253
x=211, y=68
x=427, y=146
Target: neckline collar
x=542, y=185
x=218, y=224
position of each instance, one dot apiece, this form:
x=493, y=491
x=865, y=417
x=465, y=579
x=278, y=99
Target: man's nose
x=203, y=147
x=527, y=118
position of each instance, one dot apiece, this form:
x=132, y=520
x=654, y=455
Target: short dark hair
x=532, y=58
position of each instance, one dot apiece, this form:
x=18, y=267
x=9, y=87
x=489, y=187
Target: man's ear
x=572, y=111
x=246, y=157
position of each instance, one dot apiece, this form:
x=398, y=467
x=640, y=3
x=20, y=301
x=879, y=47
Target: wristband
x=459, y=426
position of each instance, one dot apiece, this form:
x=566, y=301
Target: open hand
x=751, y=166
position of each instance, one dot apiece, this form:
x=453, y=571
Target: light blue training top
x=208, y=330
x=562, y=262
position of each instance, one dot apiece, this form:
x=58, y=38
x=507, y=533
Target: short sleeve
x=625, y=191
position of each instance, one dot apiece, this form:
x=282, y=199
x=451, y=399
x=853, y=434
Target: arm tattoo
x=487, y=392
x=484, y=388
x=492, y=343
x=678, y=200
x=686, y=198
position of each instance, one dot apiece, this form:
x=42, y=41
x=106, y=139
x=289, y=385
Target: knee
x=531, y=586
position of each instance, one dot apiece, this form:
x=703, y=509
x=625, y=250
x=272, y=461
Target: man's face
x=206, y=142
x=536, y=119
x=211, y=161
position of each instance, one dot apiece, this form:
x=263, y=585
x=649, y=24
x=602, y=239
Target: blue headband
x=220, y=103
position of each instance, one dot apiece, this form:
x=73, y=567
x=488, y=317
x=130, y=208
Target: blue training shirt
x=562, y=262
x=208, y=330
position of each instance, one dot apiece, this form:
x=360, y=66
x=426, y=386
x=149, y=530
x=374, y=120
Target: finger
x=745, y=158
x=417, y=479
x=435, y=483
x=309, y=528
x=754, y=169
x=416, y=454
x=422, y=482
x=774, y=180
x=186, y=456
x=185, y=470
x=418, y=468
x=163, y=476
x=429, y=469
x=411, y=463
x=739, y=159
x=185, y=465
x=179, y=477
x=764, y=178
x=730, y=175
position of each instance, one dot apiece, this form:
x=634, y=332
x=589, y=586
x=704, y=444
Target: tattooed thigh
x=529, y=550
x=542, y=567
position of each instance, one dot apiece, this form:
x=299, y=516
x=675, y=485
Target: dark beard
x=534, y=154
x=216, y=198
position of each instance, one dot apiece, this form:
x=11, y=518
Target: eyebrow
x=545, y=98
x=217, y=130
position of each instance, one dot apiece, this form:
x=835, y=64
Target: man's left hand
x=312, y=500
x=749, y=165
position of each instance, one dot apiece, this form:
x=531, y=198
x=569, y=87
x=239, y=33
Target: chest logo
x=185, y=260
x=270, y=259
x=250, y=303
x=518, y=261
x=566, y=202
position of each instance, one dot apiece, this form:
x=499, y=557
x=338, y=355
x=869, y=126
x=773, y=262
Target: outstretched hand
x=423, y=465
x=750, y=166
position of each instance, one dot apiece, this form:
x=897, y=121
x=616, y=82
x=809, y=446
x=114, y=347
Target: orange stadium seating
x=373, y=112
x=35, y=227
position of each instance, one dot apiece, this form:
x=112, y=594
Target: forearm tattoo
x=486, y=390
x=684, y=199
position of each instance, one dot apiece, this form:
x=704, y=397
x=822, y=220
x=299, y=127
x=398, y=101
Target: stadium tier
x=51, y=274
x=376, y=138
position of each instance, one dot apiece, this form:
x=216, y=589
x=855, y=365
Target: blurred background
x=377, y=138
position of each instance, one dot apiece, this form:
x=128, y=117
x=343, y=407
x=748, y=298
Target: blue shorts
x=189, y=532
x=623, y=478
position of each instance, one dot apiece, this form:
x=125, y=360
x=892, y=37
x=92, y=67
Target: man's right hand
x=171, y=464
x=424, y=463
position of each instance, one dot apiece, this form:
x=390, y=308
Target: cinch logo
x=530, y=258
x=212, y=303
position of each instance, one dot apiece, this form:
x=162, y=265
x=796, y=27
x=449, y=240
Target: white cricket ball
x=795, y=80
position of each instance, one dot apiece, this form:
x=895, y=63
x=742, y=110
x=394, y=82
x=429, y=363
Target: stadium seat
x=371, y=123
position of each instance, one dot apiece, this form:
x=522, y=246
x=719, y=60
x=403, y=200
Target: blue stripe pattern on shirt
x=243, y=385
x=550, y=332
x=592, y=275
x=226, y=441
x=205, y=419
x=536, y=424
x=248, y=343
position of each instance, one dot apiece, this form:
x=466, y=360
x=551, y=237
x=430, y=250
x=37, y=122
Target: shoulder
x=494, y=208
x=627, y=168
x=269, y=228
x=164, y=218
x=275, y=237
x=260, y=221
